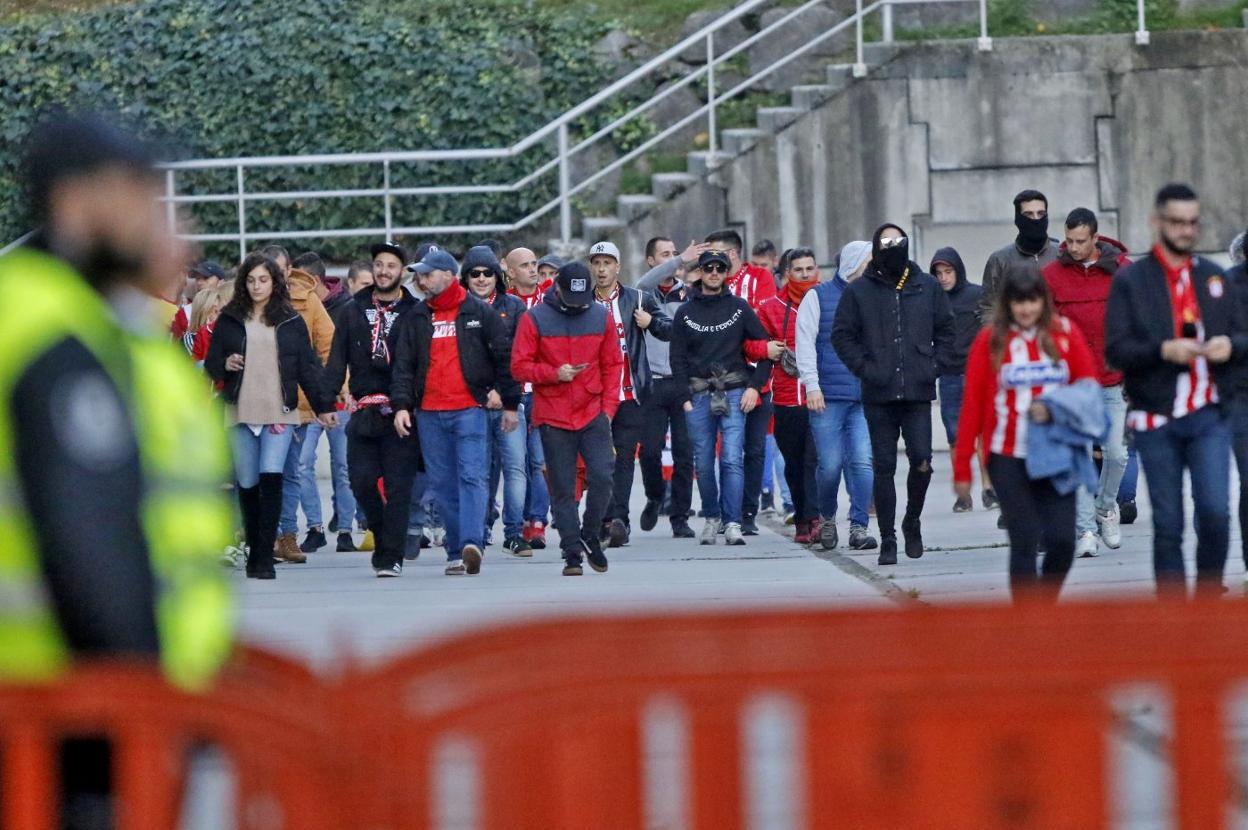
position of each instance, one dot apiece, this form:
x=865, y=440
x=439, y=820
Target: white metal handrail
x=558, y=127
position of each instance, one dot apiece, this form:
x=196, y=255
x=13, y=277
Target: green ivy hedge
x=225, y=78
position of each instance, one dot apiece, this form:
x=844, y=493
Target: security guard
x=112, y=454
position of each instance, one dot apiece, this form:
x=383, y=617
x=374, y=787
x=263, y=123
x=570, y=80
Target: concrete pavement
x=334, y=605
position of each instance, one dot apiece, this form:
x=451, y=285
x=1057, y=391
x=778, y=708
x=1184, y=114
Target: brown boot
x=287, y=549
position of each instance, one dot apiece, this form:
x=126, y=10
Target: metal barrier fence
x=1071, y=716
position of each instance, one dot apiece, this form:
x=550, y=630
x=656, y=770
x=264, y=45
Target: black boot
x=249, y=506
x=917, y=482
x=260, y=557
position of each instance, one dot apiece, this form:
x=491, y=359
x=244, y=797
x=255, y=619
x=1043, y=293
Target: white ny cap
x=605, y=249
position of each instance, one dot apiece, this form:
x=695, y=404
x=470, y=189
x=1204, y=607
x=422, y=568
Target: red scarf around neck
x=797, y=290
x=451, y=298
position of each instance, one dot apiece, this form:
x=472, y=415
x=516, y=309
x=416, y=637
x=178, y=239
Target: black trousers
x=663, y=409
x=796, y=444
x=375, y=451
x=756, y=424
x=593, y=443
x=1033, y=510
x=886, y=423
x=627, y=429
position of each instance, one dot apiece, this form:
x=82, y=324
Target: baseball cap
x=709, y=257
x=575, y=284
x=436, y=260
x=605, y=249
x=207, y=270
x=553, y=261
x=388, y=248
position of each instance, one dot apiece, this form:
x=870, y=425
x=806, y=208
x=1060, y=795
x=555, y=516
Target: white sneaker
x=437, y=536
x=709, y=531
x=1110, y=527
x=733, y=535
x=1085, y=548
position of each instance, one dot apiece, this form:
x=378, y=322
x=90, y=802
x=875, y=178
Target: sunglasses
x=480, y=272
x=894, y=242
x=715, y=268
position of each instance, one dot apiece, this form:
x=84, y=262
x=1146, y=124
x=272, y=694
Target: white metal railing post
x=1141, y=25
x=711, y=127
x=886, y=22
x=565, y=184
x=242, y=218
x=860, y=66
x=985, y=42
x=385, y=186
x=171, y=207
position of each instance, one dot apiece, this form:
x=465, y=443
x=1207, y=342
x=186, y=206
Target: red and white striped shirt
x=612, y=305
x=995, y=404
x=1195, y=388
x=533, y=299
x=753, y=284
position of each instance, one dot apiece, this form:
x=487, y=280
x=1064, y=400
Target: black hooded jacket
x=964, y=298
x=895, y=341
x=297, y=365
x=352, y=349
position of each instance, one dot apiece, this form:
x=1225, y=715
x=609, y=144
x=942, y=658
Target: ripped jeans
x=886, y=423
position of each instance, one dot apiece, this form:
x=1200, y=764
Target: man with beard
x=1171, y=326
x=365, y=344
x=894, y=330
x=1031, y=250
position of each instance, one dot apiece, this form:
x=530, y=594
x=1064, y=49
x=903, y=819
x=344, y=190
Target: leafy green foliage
x=227, y=78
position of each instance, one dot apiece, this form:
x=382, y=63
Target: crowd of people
x=438, y=382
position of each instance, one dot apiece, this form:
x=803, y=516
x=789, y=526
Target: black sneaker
x=888, y=551
x=1127, y=512
x=617, y=534
x=571, y=568
x=593, y=553
x=749, y=527
x=681, y=529
x=1001, y=522
x=963, y=504
x=913, y=533
x=314, y=541
x=990, y=499
x=411, y=548
x=333, y=522
x=650, y=515
x=516, y=546
x=345, y=543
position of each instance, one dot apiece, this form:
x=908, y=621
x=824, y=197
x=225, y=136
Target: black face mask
x=892, y=262
x=1033, y=234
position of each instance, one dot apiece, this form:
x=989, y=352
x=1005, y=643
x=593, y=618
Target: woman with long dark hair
x=1026, y=352
x=261, y=352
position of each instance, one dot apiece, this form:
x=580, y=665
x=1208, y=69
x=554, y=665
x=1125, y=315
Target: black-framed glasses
x=715, y=268
x=480, y=272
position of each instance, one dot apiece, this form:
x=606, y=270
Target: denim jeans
x=722, y=496
x=1130, y=476
x=1199, y=443
x=423, y=513
x=755, y=455
x=886, y=423
x=843, y=445
x=309, y=492
x=507, y=462
x=292, y=482
x=537, y=496
x=950, y=387
x=454, y=444
x=1113, y=465
x=256, y=454
x=774, y=478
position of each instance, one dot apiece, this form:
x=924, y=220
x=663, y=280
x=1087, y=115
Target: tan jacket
x=303, y=297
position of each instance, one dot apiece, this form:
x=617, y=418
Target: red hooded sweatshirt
x=1081, y=292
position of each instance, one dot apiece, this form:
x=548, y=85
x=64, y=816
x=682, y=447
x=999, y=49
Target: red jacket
x=786, y=389
x=1082, y=293
x=995, y=413
x=546, y=339
x=753, y=284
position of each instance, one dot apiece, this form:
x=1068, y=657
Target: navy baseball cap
x=207, y=270
x=437, y=260
x=575, y=284
x=389, y=248
x=710, y=257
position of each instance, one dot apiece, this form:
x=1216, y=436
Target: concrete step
x=772, y=120
x=840, y=75
x=635, y=205
x=736, y=142
x=666, y=185
x=598, y=228
x=702, y=163
x=808, y=97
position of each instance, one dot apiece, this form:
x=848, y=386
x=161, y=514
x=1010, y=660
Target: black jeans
x=1034, y=510
x=662, y=409
x=375, y=451
x=1239, y=445
x=886, y=423
x=756, y=424
x=561, y=446
x=627, y=429
x=797, y=446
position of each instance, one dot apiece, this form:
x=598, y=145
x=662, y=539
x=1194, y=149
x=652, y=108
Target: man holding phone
x=566, y=346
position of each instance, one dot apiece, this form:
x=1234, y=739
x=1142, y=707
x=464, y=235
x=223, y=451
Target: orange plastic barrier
x=985, y=717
